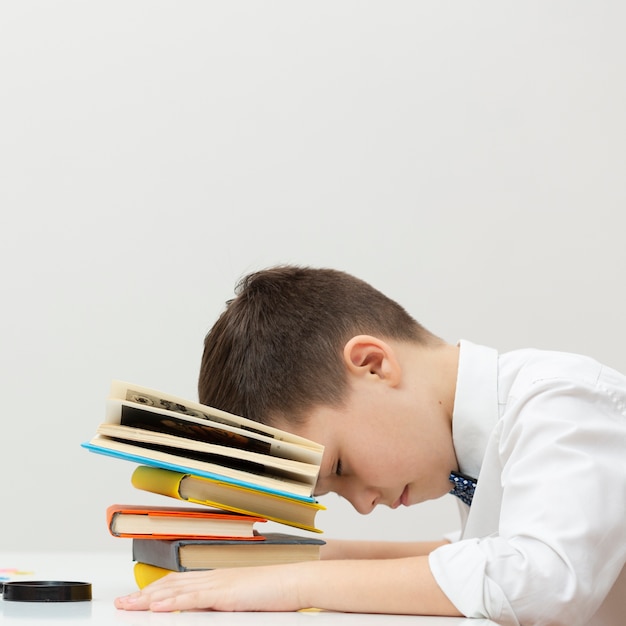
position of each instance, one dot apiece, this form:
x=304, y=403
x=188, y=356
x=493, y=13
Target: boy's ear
x=365, y=355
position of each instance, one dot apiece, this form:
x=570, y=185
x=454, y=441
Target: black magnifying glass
x=46, y=591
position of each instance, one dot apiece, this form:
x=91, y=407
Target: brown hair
x=276, y=350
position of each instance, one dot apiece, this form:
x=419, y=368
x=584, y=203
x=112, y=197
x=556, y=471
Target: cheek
x=386, y=470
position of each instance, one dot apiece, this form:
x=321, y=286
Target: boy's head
x=276, y=350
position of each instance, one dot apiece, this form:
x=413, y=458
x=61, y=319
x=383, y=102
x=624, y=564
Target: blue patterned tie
x=463, y=487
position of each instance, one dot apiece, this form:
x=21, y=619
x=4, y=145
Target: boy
x=323, y=354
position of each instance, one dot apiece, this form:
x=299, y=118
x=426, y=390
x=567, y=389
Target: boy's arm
x=403, y=586
x=355, y=549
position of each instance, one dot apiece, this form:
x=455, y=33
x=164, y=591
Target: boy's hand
x=237, y=589
x=403, y=585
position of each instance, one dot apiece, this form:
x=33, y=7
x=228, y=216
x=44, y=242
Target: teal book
x=271, y=485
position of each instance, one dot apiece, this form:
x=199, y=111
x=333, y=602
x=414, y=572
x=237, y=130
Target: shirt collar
x=475, y=405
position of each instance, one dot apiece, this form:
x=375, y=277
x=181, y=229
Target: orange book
x=146, y=522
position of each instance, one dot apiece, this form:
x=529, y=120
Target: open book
x=153, y=428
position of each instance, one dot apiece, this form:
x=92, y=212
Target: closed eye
x=338, y=468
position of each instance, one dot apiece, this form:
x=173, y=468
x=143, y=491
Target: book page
x=202, y=429
x=150, y=397
x=230, y=457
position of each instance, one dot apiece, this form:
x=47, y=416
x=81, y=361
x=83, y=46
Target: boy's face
x=389, y=445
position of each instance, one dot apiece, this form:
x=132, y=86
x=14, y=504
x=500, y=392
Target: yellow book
x=230, y=497
x=146, y=574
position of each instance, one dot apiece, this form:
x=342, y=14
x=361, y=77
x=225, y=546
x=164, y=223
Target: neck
x=437, y=366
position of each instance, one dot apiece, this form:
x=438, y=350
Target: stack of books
x=243, y=473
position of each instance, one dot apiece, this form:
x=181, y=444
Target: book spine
x=157, y=552
x=156, y=480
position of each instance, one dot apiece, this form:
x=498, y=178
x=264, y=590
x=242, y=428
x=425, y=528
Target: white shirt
x=544, y=541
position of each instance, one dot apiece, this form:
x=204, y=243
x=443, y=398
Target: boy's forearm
x=352, y=549
x=404, y=586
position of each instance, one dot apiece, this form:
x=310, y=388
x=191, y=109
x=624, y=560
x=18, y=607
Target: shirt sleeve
x=561, y=538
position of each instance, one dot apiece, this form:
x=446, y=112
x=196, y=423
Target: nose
x=363, y=499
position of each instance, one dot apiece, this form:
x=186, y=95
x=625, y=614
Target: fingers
x=171, y=593
x=232, y=589
x=181, y=592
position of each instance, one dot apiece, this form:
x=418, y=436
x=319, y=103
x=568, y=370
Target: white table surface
x=111, y=575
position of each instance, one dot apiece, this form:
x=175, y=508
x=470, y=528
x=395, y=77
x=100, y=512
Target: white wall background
x=468, y=159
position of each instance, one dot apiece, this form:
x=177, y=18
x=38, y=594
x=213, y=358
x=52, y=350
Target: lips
x=403, y=499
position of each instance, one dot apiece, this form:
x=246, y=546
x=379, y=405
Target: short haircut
x=277, y=349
